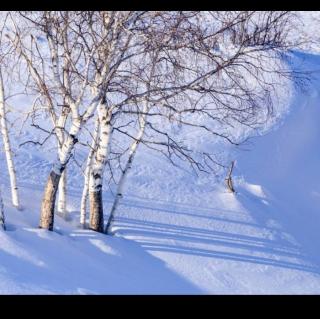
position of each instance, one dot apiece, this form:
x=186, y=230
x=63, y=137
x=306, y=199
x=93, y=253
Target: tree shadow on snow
x=84, y=261
x=178, y=238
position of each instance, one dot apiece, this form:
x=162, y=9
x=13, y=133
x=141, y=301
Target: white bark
x=83, y=208
x=76, y=126
x=97, y=169
x=62, y=200
x=62, y=189
x=99, y=160
x=49, y=197
x=2, y=218
x=74, y=101
x=7, y=146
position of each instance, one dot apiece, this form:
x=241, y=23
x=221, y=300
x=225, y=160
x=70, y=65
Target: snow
x=177, y=232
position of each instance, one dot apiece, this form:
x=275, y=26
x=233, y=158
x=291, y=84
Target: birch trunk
x=2, y=218
x=49, y=200
x=83, y=208
x=50, y=193
x=97, y=170
x=96, y=211
x=7, y=146
x=62, y=201
x=62, y=197
x=228, y=179
x=133, y=150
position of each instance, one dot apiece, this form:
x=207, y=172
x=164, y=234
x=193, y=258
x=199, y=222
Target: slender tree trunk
x=83, y=208
x=97, y=170
x=119, y=192
x=228, y=179
x=2, y=218
x=62, y=194
x=132, y=153
x=7, y=146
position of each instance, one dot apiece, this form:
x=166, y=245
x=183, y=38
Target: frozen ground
x=179, y=233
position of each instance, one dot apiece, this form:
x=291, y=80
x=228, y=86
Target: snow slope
x=177, y=232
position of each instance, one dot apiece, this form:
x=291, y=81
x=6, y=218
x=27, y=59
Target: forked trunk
x=48, y=201
x=96, y=211
x=50, y=193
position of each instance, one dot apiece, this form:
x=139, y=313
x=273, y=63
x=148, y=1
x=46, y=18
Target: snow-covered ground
x=177, y=232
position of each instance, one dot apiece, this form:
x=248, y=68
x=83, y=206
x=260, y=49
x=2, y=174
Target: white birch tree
x=97, y=167
x=7, y=145
x=73, y=96
x=96, y=45
x=5, y=50
x=102, y=64
x=2, y=217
